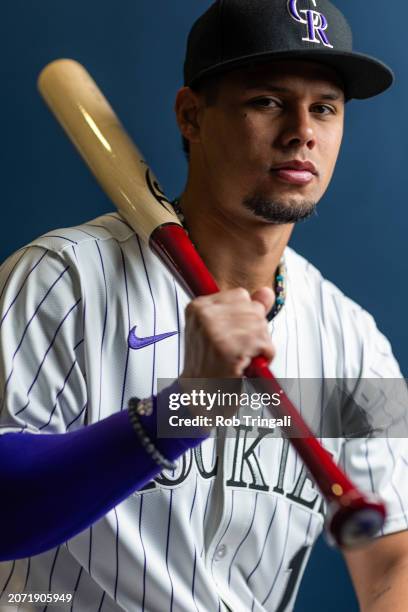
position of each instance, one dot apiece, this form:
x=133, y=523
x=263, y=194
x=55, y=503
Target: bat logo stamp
x=315, y=22
x=155, y=189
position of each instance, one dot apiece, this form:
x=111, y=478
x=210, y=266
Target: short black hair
x=209, y=88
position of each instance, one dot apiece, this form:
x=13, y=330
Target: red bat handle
x=352, y=517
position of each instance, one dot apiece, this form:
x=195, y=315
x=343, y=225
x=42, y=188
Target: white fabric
x=67, y=304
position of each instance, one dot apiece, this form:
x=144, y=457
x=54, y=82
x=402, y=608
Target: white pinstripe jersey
x=237, y=519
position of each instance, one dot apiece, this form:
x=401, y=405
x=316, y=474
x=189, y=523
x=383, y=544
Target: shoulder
x=76, y=254
x=347, y=326
x=81, y=247
x=308, y=283
x=104, y=229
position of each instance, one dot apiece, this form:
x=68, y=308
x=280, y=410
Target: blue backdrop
x=134, y=49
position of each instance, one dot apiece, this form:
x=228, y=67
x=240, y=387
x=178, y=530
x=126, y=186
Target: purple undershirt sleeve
x=53, y=486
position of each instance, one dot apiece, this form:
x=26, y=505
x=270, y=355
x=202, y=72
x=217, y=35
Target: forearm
x=55, y=486
x=391, y=592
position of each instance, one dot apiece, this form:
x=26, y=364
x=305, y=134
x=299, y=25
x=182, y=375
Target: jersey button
x=220, y=552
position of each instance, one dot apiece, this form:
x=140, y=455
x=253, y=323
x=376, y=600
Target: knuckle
x=240, y=293
x=198, y=302
x=190, y=308
x=206, y=315
x=196, y=306
x=258, y=309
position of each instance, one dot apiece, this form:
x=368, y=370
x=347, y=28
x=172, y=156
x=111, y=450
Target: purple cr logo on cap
x=316, y=23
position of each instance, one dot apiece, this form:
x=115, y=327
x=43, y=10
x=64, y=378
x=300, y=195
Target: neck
x=239, y=250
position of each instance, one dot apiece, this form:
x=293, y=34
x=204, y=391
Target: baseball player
x=98, y=507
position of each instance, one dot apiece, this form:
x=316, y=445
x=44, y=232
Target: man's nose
x=298, y=129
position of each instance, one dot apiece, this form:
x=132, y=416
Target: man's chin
x=280, y=212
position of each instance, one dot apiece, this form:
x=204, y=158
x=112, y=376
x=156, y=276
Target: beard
x=277, y=212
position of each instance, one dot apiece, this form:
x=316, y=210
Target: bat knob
x=355, y=522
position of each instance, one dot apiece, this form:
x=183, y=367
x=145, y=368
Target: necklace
x=280, y=276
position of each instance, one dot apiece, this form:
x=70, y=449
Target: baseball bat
x=94, y=128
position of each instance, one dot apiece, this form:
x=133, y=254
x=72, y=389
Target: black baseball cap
x=235, y=33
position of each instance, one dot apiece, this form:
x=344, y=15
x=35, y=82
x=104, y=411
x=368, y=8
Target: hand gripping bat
x=118, y=166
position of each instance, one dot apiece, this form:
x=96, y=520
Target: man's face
x=271, y=139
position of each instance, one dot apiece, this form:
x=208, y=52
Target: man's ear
x=187, y=108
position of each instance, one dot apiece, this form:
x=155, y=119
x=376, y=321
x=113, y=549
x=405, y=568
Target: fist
x=224, y=331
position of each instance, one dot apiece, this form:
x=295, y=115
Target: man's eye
x=265, y=102
x=324, y=109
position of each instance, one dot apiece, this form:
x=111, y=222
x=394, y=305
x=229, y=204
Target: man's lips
x=295, y=171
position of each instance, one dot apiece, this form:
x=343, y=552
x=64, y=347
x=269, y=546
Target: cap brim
x=363, y=75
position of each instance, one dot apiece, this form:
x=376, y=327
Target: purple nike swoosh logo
x=138, y=343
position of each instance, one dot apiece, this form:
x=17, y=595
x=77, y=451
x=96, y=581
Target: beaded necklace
x=280, y=277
